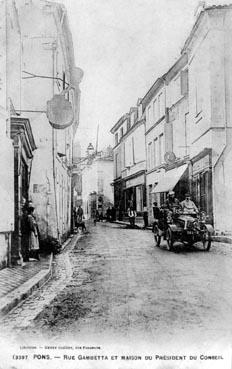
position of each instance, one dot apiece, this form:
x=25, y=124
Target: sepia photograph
x=116, y=184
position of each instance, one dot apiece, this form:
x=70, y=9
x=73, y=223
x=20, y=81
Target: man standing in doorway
x=132, y=215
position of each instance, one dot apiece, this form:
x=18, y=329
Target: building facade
x=97, y=176
x=173, y=172
x=129, y=162
x=154, y=108
x=36, y=159
x=7, y=35
x=197, y=121
x=210, y=97
x=49, y=70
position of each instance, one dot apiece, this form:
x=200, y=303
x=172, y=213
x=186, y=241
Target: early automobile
x=185, y=228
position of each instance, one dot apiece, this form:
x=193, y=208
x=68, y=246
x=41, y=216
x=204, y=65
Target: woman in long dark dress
x=33, y=235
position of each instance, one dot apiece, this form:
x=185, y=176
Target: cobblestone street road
x=115, y=283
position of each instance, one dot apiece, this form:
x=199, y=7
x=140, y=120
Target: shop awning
x=170, y=179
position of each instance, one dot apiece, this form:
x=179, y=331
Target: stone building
x=153, y=105
x=8, y=36
x=97, y=176
x=36, y=159
x=49, y=70
x=210, y=105
x=197, y=124
x=129, y=162
x=168, y=157
x=187, y=118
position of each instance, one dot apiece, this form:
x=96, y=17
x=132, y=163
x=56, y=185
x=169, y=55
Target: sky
x=123, y=46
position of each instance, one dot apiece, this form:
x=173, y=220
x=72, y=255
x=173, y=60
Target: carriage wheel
x=206, y=239
x=170, y=239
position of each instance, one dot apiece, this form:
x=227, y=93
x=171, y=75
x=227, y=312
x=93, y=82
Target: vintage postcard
x=116, y=201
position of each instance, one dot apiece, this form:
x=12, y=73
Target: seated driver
x=188, y=206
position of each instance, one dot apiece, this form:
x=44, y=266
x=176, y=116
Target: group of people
x=109, y=216
x=30, y=234
x=187, y=206
x=172, y=207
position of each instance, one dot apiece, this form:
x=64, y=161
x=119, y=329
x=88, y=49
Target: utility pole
x=97, y=138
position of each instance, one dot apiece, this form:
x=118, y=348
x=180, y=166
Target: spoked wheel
x=157, y=239
x=170, y=239
x=206, y=239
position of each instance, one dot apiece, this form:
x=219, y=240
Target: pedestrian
x=80, y=217
x=163, y=219
x=156, y=215
x=25, y=231
x=33, y=234
x=145, y=217
x=74, y=217
x=132, y=215
x=100, y=215
x=94, y=217
x=156, y=210
x=79, y=212
x=97, y=215
x=108, y=214
x=113, y=212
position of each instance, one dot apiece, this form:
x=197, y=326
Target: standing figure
x=145, y=217
x=108, y=213
x=156, y=215
x=156, y=211
x=74, y=217
x=94, y=217
x=80, y=218
x=132, y=215
x=97, y=215
x=79, y=212
x=25, y=231
x=113, y=213
x=100, y=215
x=33, y=234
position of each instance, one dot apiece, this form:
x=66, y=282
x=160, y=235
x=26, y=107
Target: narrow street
x=115, y=283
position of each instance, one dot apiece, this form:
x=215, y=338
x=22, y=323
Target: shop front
x=119, y=185
x=201, y=180
x=135, y=193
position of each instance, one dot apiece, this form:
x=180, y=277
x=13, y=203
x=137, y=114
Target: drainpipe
x=226, y=116
x=53, y=150
x=225, y=84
